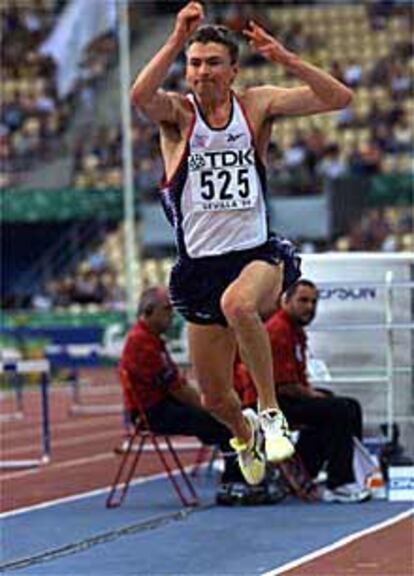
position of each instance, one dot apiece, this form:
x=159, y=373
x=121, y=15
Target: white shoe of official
x=250, y=456
x=278, y=445
x=346, y=494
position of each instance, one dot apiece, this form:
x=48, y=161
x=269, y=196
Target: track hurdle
x=41, y=367
x=80, y=408
x=17, y=393
x=73, y=357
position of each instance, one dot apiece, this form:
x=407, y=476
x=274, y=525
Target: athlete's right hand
x=188, y=20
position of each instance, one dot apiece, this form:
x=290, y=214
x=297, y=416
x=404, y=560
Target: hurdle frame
x=18, y=414
x=74, y=357
x=41, y=367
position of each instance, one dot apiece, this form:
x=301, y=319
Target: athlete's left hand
x=268, y=46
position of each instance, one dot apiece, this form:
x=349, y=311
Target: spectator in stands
x=353, y=74
x=377, y=228
x=337, y=71
x=295, y=154
x=88, y=288
x=399, y=80
x=331, y=166
x=366, y=159
x=315, y=145
x=31, y=109
x=171, y=403
x=346, y=117
x=330, y=421
x=403, y=135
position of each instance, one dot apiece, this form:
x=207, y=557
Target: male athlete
x=229, y=265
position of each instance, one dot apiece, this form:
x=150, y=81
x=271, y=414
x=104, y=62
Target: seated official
x=328, y=423
x=172, y=405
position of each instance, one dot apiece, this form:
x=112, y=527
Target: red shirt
x=151, y=369
x=244, y=385
x=288, y=342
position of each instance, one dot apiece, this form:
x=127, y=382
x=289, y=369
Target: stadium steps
x=58, y=173
x=108, y=101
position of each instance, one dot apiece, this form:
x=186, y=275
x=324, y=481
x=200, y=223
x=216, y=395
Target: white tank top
x=220, y=206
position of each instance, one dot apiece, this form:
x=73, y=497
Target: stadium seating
x=366, y=45
x=33, y=116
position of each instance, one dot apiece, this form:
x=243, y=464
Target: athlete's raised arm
x=146, y=93
x=321, y=93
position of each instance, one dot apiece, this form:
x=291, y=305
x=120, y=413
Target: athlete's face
x=209, y=71
x=301, y=306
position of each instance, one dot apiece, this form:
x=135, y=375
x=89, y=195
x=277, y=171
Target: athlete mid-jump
x=229, y=265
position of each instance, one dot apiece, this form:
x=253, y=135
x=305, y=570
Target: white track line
x=90, y=459
x=95, y=437
x=57, y=466
x=90, y=494
x=72, y=425
x=338, y=544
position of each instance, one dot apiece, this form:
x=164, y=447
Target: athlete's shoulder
x=182, y=103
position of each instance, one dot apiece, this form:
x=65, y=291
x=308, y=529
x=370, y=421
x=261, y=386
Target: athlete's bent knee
x=236, y=308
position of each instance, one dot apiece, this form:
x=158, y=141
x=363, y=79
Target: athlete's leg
x=212, y=353
x=242, y=303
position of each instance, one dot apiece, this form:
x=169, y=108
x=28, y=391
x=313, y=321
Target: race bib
x=223, y=180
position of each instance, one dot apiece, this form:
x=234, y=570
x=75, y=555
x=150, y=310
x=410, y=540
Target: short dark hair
x=293, y=287
x=148, y=301
x=218, y=35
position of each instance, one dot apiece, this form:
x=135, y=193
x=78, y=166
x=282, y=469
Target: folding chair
x=297, y=477
x=131, y=456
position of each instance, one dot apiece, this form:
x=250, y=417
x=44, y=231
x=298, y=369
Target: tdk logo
x=221, y=159
x=348, y=293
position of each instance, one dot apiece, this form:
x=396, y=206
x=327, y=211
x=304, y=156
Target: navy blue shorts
x=197, y=285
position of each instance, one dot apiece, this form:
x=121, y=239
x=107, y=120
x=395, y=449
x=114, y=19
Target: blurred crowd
x=32, y=117
x=387, y=229
x=362, y=140
x=97, y=161
x=94, y=282
x=383, y=134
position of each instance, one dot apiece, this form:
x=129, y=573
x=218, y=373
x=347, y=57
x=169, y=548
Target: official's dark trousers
x=171, y=416
x=327, y=429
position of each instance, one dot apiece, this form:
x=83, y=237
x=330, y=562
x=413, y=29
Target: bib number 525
x=219, y=185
